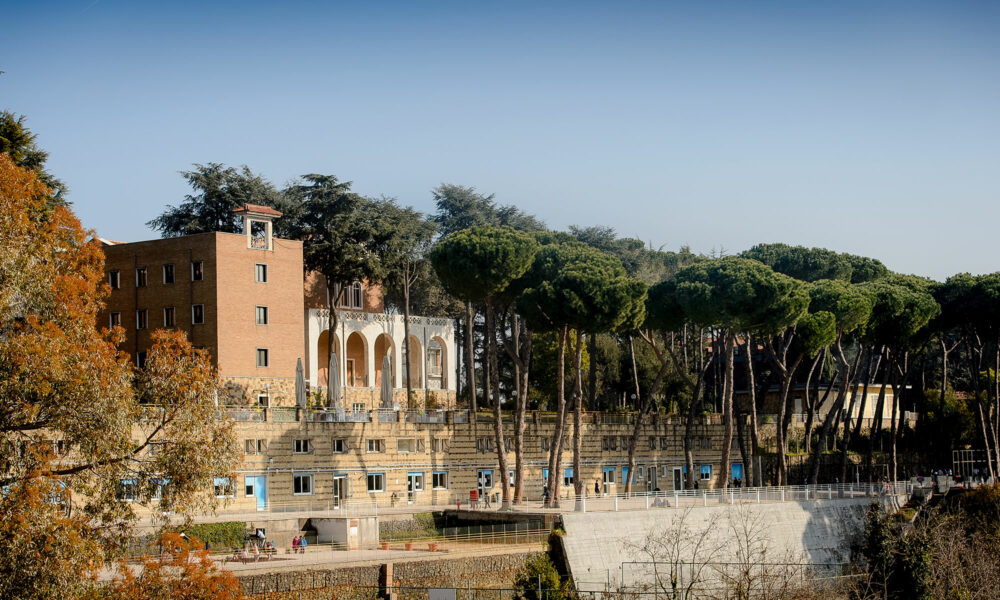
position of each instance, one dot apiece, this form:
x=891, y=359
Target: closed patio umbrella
x=386, y=382
x=300, y=385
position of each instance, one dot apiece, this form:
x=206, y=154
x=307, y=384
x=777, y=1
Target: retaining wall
x=361, y=583
x=817, y=532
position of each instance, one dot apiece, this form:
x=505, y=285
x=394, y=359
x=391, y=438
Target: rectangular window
x=168, y=273
x=568, y=476
x=376, y=482
x=358, y=406
x=406, y=445
x=128, y=489
x=484, y=444
x=705, y=443
x=357, y=296
x=198, y=314
x=263, y=400
x=652, y=442
x=140, y=277
x=169, y=318
x=545, y=444
x=248, y=486
x=141, y=319
x=140, y=360
x=197, y=270
x=664, y=443
x=376, y=445
x=254, y=446
x=116, y=319
x=224, y=487
x=262, y=358
x=706, y=472
x=115, y=279
x=262, y=315
x=302, y=485
x=339, y=446
x=439, y=480
x=439, y=444
x=260, y=273
x=433, y=362
x=609, y=442
x=302, y=447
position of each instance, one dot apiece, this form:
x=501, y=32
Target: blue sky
x=872, y=128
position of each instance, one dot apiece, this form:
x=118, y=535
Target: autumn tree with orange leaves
x=78, y=423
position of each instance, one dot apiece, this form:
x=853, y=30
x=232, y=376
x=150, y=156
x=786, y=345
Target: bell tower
x=258, y=225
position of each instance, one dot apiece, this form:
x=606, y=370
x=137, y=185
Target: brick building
x=247, y=299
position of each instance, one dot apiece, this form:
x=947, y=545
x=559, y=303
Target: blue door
x=738, y=472
x=257, y=487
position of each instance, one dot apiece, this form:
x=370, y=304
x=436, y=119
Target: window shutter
x=248, y=446
x=420, y=445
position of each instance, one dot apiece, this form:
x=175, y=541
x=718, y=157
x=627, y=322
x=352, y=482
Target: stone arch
x=437, y=364
x=323, y=357
x=384, y=345
x=416, y=362
x=355, y=363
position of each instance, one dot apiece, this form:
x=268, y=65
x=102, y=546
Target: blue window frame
x=624, y=475
x=568, y=476
x=737, y=471
x=706, y=472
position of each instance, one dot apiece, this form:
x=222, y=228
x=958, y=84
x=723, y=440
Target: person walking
x=295, y=545
x=302, y=545
x=597, y=487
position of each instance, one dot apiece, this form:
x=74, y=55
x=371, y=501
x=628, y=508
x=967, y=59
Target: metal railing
x=430, y=416
x=733, y=495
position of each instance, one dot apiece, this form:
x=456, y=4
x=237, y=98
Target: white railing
x=315, y=506
x=734, y=495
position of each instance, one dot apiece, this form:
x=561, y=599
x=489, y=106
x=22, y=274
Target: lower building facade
x=439, y=458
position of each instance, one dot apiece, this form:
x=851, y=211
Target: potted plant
x=408, y=545
x=432, y=546
x=384, y=545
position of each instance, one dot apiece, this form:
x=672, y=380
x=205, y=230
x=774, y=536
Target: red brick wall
x=157, y=295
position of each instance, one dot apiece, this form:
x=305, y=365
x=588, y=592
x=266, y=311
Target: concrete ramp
x=602, y=548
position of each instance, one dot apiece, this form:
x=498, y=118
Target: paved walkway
x=325, y=558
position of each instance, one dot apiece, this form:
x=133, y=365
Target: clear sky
x=867, y=127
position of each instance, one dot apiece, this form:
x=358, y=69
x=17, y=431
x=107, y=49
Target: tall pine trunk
x=470, y=361
x=578, y=482
x=494, y=383
x=729, y=340
x=331, y=345
x=555, y=446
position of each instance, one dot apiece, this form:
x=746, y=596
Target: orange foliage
x=63, y=380
x=180, y=572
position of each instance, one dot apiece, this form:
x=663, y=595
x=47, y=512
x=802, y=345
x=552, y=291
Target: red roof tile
x=258, y=210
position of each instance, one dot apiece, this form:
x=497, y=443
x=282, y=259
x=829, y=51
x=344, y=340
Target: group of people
x=253, y=552
x=299, y=544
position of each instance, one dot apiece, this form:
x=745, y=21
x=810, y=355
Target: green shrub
x=539, y=570
x=220, y=535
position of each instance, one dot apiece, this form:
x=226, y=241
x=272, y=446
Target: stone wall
x=361, y=583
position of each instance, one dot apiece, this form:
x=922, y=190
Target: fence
x=734, y=495
x=522, y=532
